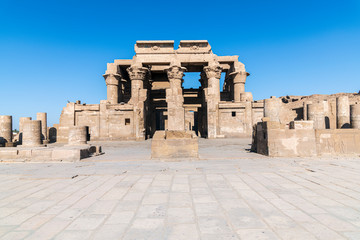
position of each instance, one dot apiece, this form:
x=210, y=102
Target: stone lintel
x=154, y=47
x=194, y=46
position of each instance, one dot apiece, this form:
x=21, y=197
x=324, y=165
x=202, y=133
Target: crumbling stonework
x=332, y=127
x=145, y=95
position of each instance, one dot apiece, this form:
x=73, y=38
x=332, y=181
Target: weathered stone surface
x=77, y=135
x=343, y=112
x=315, y=113
x=174, y=144
x=301, y=140
x=52, y=154
x=31, y=133
x=355, y=116
x=5, y=130
x=43, y=118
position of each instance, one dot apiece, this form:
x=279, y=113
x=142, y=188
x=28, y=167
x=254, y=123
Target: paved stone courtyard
x=228, y=194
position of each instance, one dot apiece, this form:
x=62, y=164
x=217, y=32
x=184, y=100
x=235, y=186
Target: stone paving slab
x=223, y=197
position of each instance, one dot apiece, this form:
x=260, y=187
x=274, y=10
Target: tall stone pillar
x=355, y=116
x=175, y=99
x=272, y=107
x=32, y=133
x=43, y=118
x=315, y=112
x=112, y=83
x=342, y=112
x=213, y=74
x=138, y=75
x=5, y=130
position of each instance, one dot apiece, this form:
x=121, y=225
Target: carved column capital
x=213, y=71
x=112, y=78
x=239, y=77
x=175, y=72
x=137, y=73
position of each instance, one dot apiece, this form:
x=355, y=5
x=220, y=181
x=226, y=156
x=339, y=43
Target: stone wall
x=302, y=140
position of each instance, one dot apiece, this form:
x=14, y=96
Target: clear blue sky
x=54, y=51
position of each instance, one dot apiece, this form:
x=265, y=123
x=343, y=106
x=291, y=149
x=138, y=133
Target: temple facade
x=146, y=94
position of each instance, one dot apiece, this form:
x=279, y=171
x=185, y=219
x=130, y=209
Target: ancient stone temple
x=146, y=94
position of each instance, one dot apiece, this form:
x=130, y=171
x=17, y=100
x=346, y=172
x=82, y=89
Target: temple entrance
x=160, y=119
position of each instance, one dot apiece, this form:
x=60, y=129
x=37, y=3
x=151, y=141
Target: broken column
x=355, y=116
x=342, y=112
x=239, y=78
x=213, y=74
x=77, y=135
x=137, y=75
x=21, y=127
x=113, y=80
x=42, y=116
x=21, y=123
x=315, y=112
x=174, y=97
x=272, y=107
x=5, y=130
x=31, y=133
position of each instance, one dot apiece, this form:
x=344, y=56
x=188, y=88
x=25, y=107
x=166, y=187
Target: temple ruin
x=145, y=95
x=146, y=99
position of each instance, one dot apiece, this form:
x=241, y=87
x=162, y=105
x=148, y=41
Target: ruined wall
x=302, y=140
x=104, y=121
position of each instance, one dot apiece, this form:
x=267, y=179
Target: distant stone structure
x=146, y=99
x=145, y=95
x=310, y=126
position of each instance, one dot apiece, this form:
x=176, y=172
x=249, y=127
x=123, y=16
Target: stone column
x=43, y=118
x=342, y=112
x=175, y=99
x=21, y=123
x=32, y=133
x=355, y=116
x=5, y=130
x=112, y=83
x=239, y=79
x=137, y=75
x=213, y=74
x=77, y=135
x=21, y=127
x=272, y=107
x=315, y=112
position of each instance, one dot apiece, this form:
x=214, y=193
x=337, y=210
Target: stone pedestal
x=77, y=135
x=174, y=144
x=43, y=118
x=272, y=107
x=355, y=116
x=343, y=112
x=31, y=133
x=5, y=130
x=315, y=112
